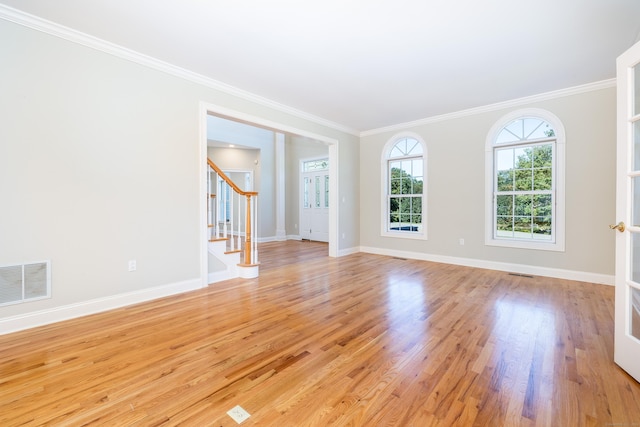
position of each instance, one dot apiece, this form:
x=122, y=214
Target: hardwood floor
x=362, y=340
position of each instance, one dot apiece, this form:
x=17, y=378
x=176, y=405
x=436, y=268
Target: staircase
x=231, y=214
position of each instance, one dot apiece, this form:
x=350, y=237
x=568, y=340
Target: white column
x=281, y=232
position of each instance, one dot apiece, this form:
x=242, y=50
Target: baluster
x=225, y=206
x=239, y=224
x=216, y=224
x=210, y=205
x=233, y=197
x=248, y=245
x=255, y=229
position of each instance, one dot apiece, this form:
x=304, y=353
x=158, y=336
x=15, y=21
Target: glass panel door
x=627, y=310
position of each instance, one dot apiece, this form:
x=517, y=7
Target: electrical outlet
x=132, y=265
x=461, y=241
x=238, y=414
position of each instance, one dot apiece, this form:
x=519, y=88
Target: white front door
x=627, y=305
x=314, y=211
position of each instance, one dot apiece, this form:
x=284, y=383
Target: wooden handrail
x=248, y=246
x=228, y=180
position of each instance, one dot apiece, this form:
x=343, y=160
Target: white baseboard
x=219, y=276
x=71, y=311
x=581, y=276
x=349, y=251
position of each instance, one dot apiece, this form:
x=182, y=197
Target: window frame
x=558, y=219
x=385, y=195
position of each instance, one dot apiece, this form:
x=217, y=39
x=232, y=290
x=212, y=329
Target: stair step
x=219, y=239
x=234, y=252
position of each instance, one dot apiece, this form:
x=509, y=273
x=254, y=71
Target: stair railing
x=225, y=201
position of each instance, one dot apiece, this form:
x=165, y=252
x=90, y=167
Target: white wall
x=99, y=164
x=455, y=182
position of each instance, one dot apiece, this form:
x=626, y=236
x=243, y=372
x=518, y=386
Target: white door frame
x=332, y=143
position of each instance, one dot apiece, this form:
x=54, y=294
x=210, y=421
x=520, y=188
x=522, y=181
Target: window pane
x=542, y=179
x=417, y=186
x=635, y=257
x=523, y=157
x=416, y=167
x=636, y=86
x=523, y=205
x=413, y=146
x=636, y=145
x=395, y=174
x=504, y=159
x=396, y=186
x=307, y=183
x=405, y=213
x=524, y=180
x=541, y=205
x=317, y=191
x=406, y=147
x=403, y=179
x=522, y=226
x=417, y=210
x=326, y=191
x=635, y=209
x=537, y=129
x=510, y=133
x=524, y=129
x=394, y=206
x=635, y=312
x=504, y=205
x=505, y=180
x=504, y=226
x=543, y=156
x=542, y=227
x=314, y=165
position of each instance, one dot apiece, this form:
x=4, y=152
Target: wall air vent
x=25, y=282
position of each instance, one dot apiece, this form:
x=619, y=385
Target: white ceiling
x=368, y=64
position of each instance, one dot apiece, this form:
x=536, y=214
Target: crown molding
x=36, y=23
x=603, y=84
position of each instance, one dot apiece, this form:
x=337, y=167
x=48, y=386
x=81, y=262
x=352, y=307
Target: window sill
x=405, y=235
x=525, y=244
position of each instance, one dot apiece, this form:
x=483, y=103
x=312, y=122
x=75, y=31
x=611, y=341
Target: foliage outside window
x=404, y=188
x=525, y=187
x=524, y=193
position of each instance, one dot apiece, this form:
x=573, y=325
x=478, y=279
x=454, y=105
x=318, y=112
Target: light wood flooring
x=361, y=340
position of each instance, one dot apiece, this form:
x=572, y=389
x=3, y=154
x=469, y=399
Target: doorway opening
x=314, y=199
x=272, y=172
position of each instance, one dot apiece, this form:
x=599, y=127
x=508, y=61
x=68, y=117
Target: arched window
x=404, y=189
x=525, y=181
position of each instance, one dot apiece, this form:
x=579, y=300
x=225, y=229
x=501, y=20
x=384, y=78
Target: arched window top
x=404, y=147
x=525, y=129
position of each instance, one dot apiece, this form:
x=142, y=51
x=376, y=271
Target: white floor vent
x=25, y=282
